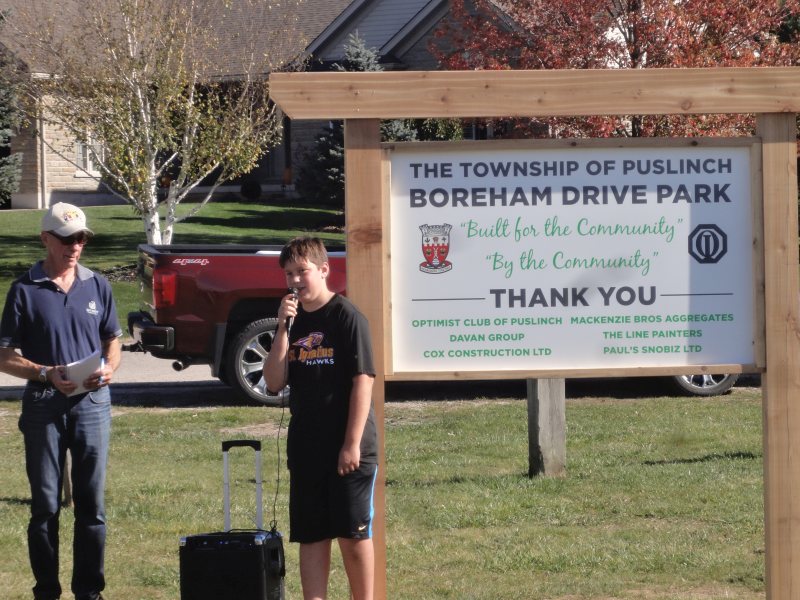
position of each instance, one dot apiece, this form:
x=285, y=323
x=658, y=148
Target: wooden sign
x=573, y=258
x=772, y=93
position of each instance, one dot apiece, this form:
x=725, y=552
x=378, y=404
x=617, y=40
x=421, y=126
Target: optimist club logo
x=708, y=244
x=435, y=247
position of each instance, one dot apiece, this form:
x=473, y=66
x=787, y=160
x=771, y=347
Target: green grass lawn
x=662, y=499
x=119, y=231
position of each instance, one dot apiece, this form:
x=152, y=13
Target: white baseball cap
x=65, y=219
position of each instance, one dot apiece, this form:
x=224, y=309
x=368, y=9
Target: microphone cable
x=274, y=523
x=289, y=323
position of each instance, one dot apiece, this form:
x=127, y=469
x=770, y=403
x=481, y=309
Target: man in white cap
x=59, y=313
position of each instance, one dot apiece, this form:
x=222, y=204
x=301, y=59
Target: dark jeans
x=52, y=423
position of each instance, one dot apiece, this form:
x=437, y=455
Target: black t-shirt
x=327, y=348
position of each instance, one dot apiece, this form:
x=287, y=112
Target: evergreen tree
x=432, y=130
x=321, y=176
x=10, y=164
x=358, y=58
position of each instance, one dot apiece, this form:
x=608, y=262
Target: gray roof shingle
x=248, y=31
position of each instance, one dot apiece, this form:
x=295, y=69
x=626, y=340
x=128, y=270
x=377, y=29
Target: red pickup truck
x=215, y=305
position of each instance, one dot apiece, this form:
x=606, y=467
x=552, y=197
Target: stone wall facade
x=49, y=171
x=29, y=194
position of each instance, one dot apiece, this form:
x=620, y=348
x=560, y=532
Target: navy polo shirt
x=50, y=327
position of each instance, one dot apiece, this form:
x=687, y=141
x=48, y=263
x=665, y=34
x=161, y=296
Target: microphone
x=290, y=320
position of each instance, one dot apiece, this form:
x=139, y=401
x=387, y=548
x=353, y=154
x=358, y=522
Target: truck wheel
x=244, y=361
x=704, y=385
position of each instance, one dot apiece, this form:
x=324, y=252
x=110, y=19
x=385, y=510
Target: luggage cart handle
x=254, y=444
x=226, y=484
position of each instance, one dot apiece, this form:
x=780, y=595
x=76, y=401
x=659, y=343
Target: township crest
x=435, y=248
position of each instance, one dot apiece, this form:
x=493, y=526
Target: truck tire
x=704, y=385
x=244, y=361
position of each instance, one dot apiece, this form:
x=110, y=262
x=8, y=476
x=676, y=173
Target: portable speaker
x=235, y=564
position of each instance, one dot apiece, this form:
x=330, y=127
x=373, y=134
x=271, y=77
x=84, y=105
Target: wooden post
x=781, y=381
x=547, y=448
x=366, y=277
x=363, y=98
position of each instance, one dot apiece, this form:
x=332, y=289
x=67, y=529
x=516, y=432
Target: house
x=399, y=29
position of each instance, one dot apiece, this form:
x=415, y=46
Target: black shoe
x=97, y=596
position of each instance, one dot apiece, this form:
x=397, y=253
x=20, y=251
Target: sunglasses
x=77, y=238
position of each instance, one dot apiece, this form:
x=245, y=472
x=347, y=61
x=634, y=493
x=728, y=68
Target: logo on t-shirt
x=311, y=350
x=92, y=308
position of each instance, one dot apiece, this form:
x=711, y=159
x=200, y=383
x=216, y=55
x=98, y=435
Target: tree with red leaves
x=621, y=34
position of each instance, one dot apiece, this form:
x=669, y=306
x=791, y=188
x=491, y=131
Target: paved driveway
x=141, y=378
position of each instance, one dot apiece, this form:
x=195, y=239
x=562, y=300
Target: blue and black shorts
x=324, y=505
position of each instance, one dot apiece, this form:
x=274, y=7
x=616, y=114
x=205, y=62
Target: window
x=85, y=159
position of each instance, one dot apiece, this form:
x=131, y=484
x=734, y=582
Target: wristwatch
x=43, y=374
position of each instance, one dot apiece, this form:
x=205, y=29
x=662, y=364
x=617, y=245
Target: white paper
x=78, y=371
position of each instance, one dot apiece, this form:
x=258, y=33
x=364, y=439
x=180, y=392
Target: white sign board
x=526, y=257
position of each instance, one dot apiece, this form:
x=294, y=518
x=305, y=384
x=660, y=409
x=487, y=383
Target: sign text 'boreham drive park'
x=529, y=257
